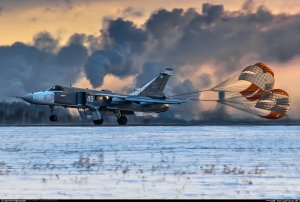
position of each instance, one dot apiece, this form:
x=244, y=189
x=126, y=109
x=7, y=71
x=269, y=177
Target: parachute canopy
x=251, y=90
x=276, y=101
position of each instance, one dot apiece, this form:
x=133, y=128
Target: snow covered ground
x=150, y=162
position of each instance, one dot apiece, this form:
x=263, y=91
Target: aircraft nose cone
x=27, y=98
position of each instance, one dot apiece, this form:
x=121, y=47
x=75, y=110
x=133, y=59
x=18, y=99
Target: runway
x=150, y=162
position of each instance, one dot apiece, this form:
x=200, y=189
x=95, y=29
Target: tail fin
x=155, y=87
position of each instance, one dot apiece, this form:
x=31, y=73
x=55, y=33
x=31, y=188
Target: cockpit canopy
x=56, y=88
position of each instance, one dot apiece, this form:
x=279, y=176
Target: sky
x=118, y=44
x=21, y=19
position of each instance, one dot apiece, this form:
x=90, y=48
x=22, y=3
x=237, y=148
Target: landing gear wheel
x=98, y=122
x=122, y=120
x=53, y=117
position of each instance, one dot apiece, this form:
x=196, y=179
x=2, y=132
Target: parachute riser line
x=194, y=92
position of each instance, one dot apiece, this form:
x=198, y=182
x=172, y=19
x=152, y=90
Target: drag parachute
x=276, y=101
x=250, y=83
x=251, y=90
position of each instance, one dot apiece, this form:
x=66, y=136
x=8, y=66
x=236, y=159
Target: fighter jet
x=94, y=104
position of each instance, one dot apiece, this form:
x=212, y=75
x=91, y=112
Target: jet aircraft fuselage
x=147, y=99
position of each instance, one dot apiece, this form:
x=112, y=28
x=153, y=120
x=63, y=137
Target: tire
x=98, y=122
x=122, y=120
x=53, y=117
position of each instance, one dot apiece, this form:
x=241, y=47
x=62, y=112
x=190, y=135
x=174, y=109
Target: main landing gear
x=122, y=120
x=52, y=117
x=97, y=117
x=98, y=122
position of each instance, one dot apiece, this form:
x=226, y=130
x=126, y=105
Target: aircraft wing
x=140, y=99
x=151, y=100
x=111, y=95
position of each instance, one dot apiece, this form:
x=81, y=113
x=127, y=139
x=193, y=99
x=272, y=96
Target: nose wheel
x=53, y=117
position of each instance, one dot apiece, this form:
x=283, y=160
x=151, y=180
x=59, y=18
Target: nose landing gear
x=52, y=117
x=97, y=117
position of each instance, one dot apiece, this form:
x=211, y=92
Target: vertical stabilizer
x=155, y=87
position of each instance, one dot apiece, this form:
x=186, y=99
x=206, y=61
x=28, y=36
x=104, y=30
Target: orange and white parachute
x=251, y=90
x=276, y=101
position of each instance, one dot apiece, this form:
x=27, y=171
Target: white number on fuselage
x=90, y=98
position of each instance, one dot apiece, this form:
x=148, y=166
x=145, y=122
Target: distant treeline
x=21, y=113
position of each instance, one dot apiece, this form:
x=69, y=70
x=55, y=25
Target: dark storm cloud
x=77, y=39
x=122, y=41
x=25, y=68
x=212, y=12
x=115, y=61
x=125, y=33
x=187, y=37
x=90, y=41
x=162, y=23
x=72, y=56
x=45, y=42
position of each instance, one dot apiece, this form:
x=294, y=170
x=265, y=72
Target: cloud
x=114, y=61
x=45, y=42
x=248, y=6
x=77, y=39
x=121, y=42
x=125, y=33
x=212, y=12
x=131, y=12
x=182, y=37
x=90, y=41
x=27, y=68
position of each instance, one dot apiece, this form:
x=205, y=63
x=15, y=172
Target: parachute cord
x=230, y=80
x=203, y=100
x=200, y=91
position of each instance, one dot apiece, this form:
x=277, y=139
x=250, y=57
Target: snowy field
x=150, y=162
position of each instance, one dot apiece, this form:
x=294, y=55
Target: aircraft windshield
x=56, y=88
